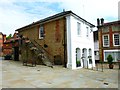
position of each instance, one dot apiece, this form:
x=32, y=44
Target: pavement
x=15, y=75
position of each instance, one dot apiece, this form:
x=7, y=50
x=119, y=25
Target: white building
x=69, y=29
x=80, y=43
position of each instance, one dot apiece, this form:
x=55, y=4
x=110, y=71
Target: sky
x=15, y=14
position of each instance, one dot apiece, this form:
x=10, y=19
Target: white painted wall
x=74, y=41
x=96, y=45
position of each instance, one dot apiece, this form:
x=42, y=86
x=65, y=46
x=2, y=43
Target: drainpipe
x=65, y=43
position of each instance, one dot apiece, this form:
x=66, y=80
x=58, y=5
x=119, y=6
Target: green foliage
x=78, y=62
x=101, y=61
x=110, y=59
x=8, y=37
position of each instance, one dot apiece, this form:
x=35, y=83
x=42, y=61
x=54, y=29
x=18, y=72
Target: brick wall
x=110, y=32
x=54, y=37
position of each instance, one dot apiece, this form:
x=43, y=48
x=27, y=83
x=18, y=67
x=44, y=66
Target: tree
x=8, y=37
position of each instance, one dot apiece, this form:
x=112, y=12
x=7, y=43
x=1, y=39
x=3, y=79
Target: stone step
x=33, y=48
x=39, y=52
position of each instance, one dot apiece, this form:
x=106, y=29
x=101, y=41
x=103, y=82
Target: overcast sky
x=18, y=13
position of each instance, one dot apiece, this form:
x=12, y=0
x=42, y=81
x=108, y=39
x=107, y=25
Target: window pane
x=109, y=53
x=78, y=28
x=115, y=55
x=106, y=43
x=116, y=39
x=105, y=29
x=115, y=28
x=87, y=34
x=118, y=55
x=41, y=32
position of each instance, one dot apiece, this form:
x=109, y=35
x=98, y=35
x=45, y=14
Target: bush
x=110, y=59
x=78, y=63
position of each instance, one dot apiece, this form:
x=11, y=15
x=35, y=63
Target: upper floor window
x=115, y=28
x=116, y=39
x=87, y=33
x=78, y=28
x=105, y=40
x=41, y=32
x=105, y=29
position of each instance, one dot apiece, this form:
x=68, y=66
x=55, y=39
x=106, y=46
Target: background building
x=96, y=46
x=2, y=39
x=109, y=40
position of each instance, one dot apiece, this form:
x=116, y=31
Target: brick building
x=109, y=40
x=65, y=37
x=2, y=39
x=10, y=46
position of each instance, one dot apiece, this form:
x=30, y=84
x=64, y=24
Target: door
x=16, y=53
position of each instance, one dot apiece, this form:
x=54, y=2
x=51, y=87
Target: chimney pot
x=98, y=22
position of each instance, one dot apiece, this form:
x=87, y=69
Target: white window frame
x=114, y=39
x=78, y=28
x=115, y=59
x=41, y=28
x=108, y=41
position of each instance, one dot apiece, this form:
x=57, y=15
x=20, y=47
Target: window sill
x=41, y=38
x=105, y=46
x=116, y=45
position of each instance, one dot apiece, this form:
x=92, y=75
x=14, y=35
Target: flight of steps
x=39, y=51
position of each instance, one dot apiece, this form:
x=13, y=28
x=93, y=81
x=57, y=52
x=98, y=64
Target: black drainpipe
x=65, y=54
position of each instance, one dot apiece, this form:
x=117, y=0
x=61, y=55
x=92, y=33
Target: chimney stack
x=102, y=21
x=98, y=22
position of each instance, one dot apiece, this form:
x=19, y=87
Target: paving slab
x=15, y=75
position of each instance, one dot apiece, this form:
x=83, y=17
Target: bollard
x=97, y=66
x=119, y=63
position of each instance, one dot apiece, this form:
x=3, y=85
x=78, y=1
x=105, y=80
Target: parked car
x=8, y=57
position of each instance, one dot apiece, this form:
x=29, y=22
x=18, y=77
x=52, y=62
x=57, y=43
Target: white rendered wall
x=74, y=41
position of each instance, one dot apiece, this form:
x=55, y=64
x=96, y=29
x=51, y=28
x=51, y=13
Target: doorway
x=84, y=58
x=16, y=53
x=78, y=57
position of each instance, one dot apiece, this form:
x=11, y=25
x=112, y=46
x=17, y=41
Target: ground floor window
x=90, y=56
x=115, y=55
x=78, y=57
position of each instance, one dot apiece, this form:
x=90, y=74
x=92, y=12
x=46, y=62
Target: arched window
x=90, y=56
x=78, y=57
x=84, y=57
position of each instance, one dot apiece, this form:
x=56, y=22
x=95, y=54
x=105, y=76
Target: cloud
x=93, y=9
x=15, y=14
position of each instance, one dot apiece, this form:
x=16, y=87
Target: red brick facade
x=9, y=44
x=2, y=39
x=109, y=29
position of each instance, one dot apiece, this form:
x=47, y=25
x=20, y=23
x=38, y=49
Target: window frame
x=114, y=39
x=104, y=41
x=115, y=58
x=41, y=28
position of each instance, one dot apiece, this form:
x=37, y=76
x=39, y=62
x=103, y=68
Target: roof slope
x=112, y=23
x=59, y=15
